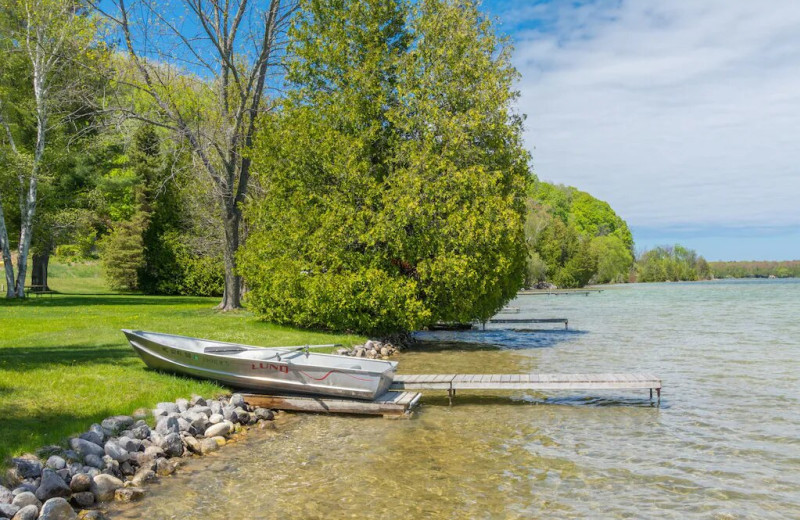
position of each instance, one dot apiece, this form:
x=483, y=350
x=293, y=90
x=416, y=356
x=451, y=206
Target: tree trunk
x=232, y=296
x=39, y=270
x=6, y=251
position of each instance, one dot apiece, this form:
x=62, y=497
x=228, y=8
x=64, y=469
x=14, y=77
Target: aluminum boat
x=274, y=369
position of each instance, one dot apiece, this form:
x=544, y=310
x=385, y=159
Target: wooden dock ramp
x=390, y=404
x=454, y=382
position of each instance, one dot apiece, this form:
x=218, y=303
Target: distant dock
x=558, y=292
x=523, y=321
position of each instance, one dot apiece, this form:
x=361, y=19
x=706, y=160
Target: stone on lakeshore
x=173, y=446
x=92, y=514
x=183, y=404
x=141, y=432
x=216, y=407
x=220, y=440
x=8, y=510
x=126, y=468
x=237, y=400
x=142, y=476
x=214, y=430
x=205, y=410
x=266, y=425
x=83, y=499
x=168, y=407
x=23, y=487
x=369, y=345
x=91, y=471
x=116, y=452
x=216, y=418
x=228, y=413
x=26, y=498
x=192, y=443
x=184, y=425
x=128, y=444
x=168, y=425
x=6, y=496
x=71, y=456
x=360, y=352
x=94, y=461
x=166, y=467
x=56, y=462
x=158, y=413
x=264, y=414
x=129, y=494
x=208, y=445
x=30, y=512
x=115, y=424
x=199, y=423
x=242, y=415
x=57, y=509
x=104, y=486
x=80, y=482
x=93, y=437
x=197, y=400
x=154, y=451
x=83, y=447
x=27, y=466
x=384, y=351
x=51, y=486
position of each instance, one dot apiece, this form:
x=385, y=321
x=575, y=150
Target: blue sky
x=683, y=114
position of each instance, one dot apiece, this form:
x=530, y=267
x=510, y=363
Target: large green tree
x=393, y=180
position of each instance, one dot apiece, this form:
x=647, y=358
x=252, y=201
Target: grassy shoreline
x=64, y=364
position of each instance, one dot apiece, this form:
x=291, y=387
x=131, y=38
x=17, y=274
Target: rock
x=183, y=404
x=166, y=467
x=264, y=414
x=26, y=498
x=192, y=443
x=83, y=499
x=384, y=351
x=116, y=452
x=371, y=354
x=129, y=494
x=52, y=486
x=168, y=425
x=197, y=400
x=208, y=445
x=237, y=400
x=184, y=425
x=91, y=471
x=94, y=461
x=168, y=407
x=56, y=462
x=369, y=345
x=24, y=487
x=117, y=423
x=216, y=418
x=141, y=432
x=266, y=425
x=154, y=451
x=80, y=482
x=6, y=496
x=216, y=407
x=57, y=509
x=26, y=466
x=93, y=514
x=158, y=413
x=205, y=410
x=214, y=430
x=104, y=486
x=8, y=510
x=143, y=476
x=199, y=423
x=220, y=440
x=83, y=448
x=126, y=468
x=173, y=446
x=30, y=512
x=129, y=445
x=229, y=414
x=360, y=352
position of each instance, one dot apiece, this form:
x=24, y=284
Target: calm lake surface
x=725, y=442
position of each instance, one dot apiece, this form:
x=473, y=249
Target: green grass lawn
x=64, y=363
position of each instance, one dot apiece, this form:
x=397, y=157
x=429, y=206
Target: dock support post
x=566, y=324
x=658, y=392
x=651, y=394
x=451, y=392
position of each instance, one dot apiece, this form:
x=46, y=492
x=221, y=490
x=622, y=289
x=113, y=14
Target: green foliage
x=577, y=237
x=665, y=264
x=394, y=176
x=122, y=254
x=764, y=269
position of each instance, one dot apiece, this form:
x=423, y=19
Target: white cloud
x=679, y=113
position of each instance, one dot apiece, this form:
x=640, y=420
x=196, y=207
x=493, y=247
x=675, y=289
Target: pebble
x=104, y=486
x=80, y=482
x=57, y=509
x=92, y=514
x=30, y=512
x=51, y=486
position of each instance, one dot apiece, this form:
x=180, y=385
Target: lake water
x=725, y=442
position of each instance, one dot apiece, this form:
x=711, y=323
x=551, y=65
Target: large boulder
x=57, y=509
x=30, y=512
x=104, y=486
x=83, y=448
x=51, y=486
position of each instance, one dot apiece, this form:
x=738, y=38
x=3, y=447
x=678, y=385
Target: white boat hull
x=283, y=369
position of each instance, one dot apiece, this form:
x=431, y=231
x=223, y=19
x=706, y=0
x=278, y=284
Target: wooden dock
x=558, y=292
x=453, y=382
x=523, y=321
x=390, y=404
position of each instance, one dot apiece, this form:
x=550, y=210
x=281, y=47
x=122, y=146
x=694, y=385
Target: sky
x=684, y=115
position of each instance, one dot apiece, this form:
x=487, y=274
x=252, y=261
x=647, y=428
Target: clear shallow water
x=724, y=444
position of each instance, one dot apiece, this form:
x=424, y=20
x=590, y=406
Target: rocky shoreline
x=371, y=350
x=115, y=459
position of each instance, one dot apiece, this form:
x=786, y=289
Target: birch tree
x=52, y=36
x=202, y=68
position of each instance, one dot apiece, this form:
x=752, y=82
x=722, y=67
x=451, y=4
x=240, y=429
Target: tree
x=393, y=179
x=55, y=37
x=202, y=73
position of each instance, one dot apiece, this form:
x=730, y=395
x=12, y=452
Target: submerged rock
x=129, y=494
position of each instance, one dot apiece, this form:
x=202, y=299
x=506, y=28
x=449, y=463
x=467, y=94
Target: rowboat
x=275, y=369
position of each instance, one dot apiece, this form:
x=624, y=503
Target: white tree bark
x=5, y=246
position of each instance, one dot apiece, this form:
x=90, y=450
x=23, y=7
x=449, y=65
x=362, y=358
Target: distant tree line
x=671, y=264
x=763, y=269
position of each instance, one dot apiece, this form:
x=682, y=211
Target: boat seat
x=224, y=349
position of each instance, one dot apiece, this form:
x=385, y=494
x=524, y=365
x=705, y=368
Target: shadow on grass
x=25, y=429
x=85, y=300
x=32, y=358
